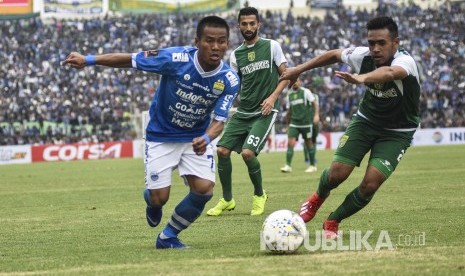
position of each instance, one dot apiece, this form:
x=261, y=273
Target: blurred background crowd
x=44, y=102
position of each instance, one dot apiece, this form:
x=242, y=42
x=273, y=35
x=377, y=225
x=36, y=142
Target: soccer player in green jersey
x=259, y=63
x=302, y=115
x=384, y=124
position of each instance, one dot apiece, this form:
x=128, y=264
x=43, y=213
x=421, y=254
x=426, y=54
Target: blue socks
x=187, y=211
x=152, y=213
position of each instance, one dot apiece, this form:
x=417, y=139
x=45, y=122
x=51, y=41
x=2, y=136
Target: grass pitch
x=88, y=217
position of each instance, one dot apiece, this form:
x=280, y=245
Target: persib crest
x=251, y=56
x=218, y=87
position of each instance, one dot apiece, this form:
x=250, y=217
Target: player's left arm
x=380, y=75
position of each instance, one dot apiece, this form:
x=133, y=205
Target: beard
x=251, y=36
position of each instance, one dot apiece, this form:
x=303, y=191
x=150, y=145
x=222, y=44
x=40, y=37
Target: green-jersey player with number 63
x=259, y=62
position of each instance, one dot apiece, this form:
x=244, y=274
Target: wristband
x=90, y=60
x=206, y=138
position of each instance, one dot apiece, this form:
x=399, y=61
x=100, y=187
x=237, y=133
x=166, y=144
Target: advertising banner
x=168, y=6
x=70, y=152
x=15, y=7
x=73, y=6
x=15, y=154
x=439, y=136
x=323, y=141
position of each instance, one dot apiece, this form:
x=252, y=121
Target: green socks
x=323, y=187
x=353, y=203
x=255, y=175
x=311, y=155
x=289, y=155
x=224, y=172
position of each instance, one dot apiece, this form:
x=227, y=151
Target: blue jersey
x=182, y=106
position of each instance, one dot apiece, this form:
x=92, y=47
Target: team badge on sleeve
x=343, y=141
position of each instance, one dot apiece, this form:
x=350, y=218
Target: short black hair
x=248, y=11
x=211, y=21
x=383, y=22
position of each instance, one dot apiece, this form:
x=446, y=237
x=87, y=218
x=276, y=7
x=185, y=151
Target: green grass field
x=88, y=217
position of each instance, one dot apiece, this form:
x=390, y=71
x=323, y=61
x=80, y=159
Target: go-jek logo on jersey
x=180, y=57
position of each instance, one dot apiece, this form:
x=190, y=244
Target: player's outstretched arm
x=327, y=58
x=380, y=75
x=199, y=144
x=115, y=60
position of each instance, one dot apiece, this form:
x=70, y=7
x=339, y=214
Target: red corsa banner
x=70, y=152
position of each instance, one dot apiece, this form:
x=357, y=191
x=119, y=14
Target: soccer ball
x=283, y=231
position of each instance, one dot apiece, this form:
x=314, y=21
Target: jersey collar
x=200, y=69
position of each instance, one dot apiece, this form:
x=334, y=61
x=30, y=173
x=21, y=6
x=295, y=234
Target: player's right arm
x=199, y=144
x=115, y=60
x=155, y=61
x=327, y=58
x=220, y=115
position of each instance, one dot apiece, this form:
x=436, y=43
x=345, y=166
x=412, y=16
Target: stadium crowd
x=44, y=102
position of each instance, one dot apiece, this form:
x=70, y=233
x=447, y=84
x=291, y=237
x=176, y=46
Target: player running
x=384, y=124
x=195, y=82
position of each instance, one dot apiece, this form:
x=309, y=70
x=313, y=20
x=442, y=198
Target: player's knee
x=154, y=198
x=309, y=143
x=291, y=142
x=223, y=152
x=247, y=154
x=338, y=173
x=368, y=189
x=158, y=201
x=204, y=189
x=372, y=180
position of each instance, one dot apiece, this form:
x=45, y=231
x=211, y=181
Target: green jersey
x=257, y=66
x=390, y=105
x=301, y=107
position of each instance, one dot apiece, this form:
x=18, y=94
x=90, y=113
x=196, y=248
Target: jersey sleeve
x=277, y=52
x=407, y=62
x=354, y=57
x=155, y=61
x=226, y=100
x=308, y=96
x=233, y=62
x=288, y=104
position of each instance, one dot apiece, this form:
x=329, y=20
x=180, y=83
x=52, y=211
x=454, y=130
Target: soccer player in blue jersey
x=188, y=111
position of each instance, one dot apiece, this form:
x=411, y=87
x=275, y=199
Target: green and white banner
x=170, y=6
x=74, y=6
